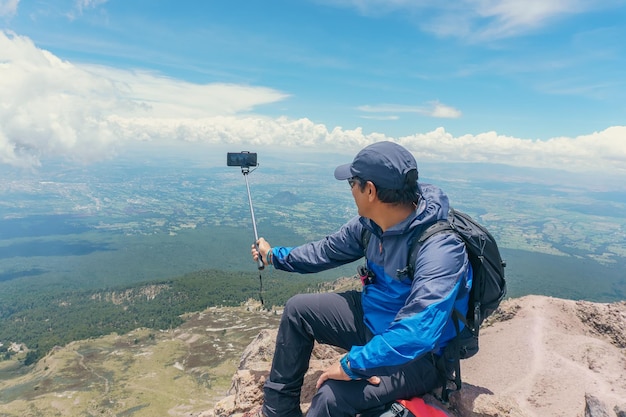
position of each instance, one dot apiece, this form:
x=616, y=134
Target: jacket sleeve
x=441, y=283
x=339, y=248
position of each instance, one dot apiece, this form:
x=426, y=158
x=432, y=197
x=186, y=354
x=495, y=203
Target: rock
x=539, y=356
x=497, y=406
x=594, y=407
x=259, y=352
x=551, y=353
x=473, y=401
x=246, y=389
x=608, y=320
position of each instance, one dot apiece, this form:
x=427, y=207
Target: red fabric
x=420, y=409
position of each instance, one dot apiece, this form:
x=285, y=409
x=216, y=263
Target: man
x=395, y=328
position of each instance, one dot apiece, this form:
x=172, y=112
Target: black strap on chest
x=414, y=246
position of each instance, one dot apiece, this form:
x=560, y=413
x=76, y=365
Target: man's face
x=359, y=195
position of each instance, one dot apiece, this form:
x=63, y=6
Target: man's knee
x=295, y=303
x=338, y=399
x=324, y=402
x=299, y=307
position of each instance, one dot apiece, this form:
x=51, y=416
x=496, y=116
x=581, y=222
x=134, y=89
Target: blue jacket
x=408, y=317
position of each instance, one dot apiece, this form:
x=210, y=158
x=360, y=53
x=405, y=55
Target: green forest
x=44, y=319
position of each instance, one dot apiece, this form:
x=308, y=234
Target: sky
x=534, y=83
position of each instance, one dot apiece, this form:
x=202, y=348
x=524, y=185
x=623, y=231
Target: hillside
x=181, y=371
x=40, y=319
x=143, y=373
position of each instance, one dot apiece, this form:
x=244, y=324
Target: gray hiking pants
x=334, y=319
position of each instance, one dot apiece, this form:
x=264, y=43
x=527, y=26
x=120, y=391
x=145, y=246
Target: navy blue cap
x=384, y=163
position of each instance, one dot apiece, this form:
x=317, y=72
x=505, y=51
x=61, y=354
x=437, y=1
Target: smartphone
x=241, y=159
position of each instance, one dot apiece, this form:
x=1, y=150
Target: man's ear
x=371, y=191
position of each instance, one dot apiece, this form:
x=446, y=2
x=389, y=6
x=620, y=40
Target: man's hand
x=264, y=247
x=335, y=371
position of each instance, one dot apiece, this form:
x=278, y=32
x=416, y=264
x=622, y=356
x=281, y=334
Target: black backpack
x=488, y=287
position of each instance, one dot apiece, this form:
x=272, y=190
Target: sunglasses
x=353, y=181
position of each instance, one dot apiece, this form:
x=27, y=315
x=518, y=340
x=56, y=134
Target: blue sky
x=537, y=83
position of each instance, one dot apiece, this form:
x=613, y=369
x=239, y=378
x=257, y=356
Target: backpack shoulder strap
x=435, y=228
x=415, y=245
x=442, y=226
x=366, y=234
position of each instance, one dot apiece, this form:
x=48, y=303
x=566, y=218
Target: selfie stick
x=245, y=171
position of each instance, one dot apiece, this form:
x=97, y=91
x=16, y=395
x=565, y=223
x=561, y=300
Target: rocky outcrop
x=539, y=357
x=247, y=383
x=147, y=292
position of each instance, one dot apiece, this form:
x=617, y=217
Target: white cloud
x=477, y=20
x=8, y=8
x=380, y=117
x=493, y=19
x=88, y=4
x=53, y=108
x=444, y=112
x=432, y=109
x=81, y=6
x=603, y=151
x=158, y=96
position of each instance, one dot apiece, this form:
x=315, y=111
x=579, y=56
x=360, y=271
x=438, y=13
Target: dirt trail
x=81, y=362
x=548, y=361
x=523, y=388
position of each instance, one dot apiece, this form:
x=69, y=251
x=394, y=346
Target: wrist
x=345, y=366
x=269, y=257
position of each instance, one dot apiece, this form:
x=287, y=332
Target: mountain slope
x=539, y=356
